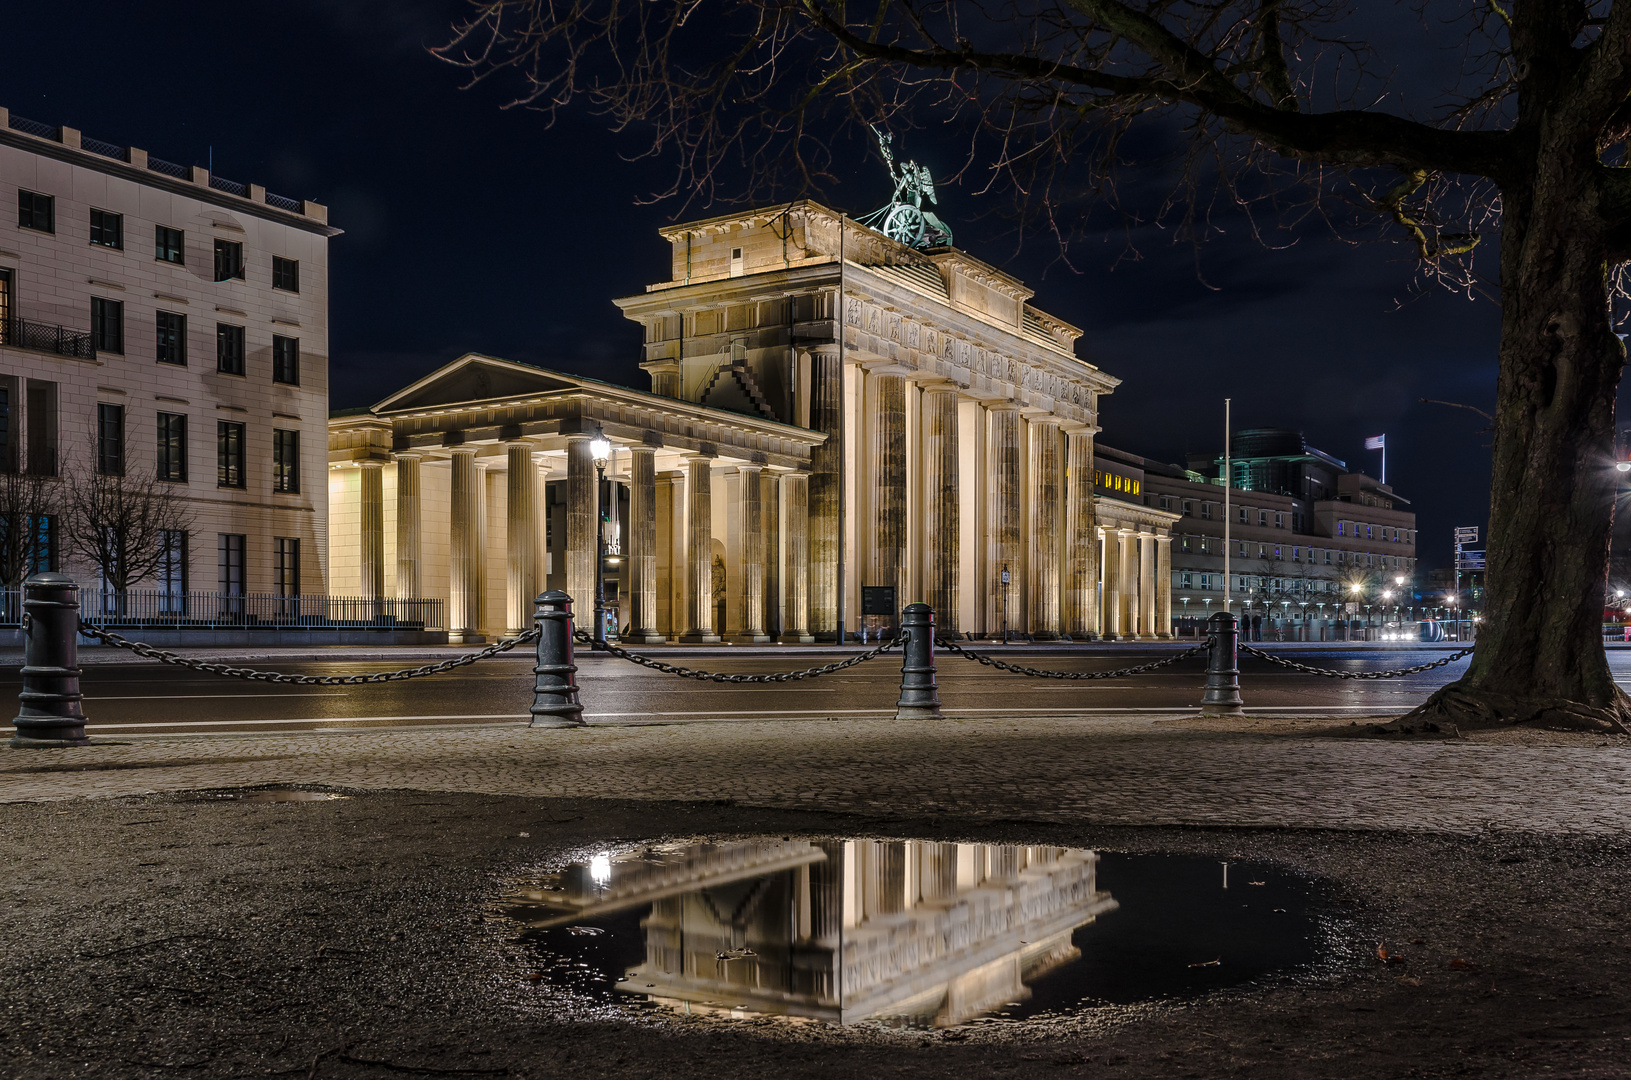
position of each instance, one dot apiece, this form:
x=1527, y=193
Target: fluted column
x=1081, y=538
x=1111, y=616
x=1006, y=471
x=751, y=508
x=407, y=526
x=941, y=496
x=826, y=460
x=1146, y=585
x=643, y=545
x=520, y=537
x=463, y=605
x=770, y=531
x=699, y=570
x=1127, y=560
x=796, y=580
x=478, y=597
x=582, y=514
x=888, y=535
x=372, y=524
x=1046, y=489
x=1163, y=586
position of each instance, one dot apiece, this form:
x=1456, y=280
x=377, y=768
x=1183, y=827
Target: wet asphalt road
x=148, y=699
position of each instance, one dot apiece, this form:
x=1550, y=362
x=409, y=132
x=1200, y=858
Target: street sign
x=1005, y=577
x=1466, y=534
x=1469, y=560
x=878, y=600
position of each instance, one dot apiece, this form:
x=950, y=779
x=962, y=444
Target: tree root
x=1470, y=710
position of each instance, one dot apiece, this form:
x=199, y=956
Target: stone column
x=520, y=537
x=1111, y=617
x=1146, y=585
x=1127, y=560
x=941, y=495
x=478, y=599
x=699, y=570
x=463, y=604
x=826, y=460
x=751, y=498
x=582, y=521
x=770, y=532
x=1081, y=539
x=372, y=511
x=1006, y=470
x=889, y=487
x=643, y=545
x=407, y=526
x=796, y=581
x=1047, y=485
x=1163, y=586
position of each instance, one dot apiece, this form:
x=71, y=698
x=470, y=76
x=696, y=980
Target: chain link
x=231, y=672
x=1039, y=673
x=726, y=676
x=1330, y=673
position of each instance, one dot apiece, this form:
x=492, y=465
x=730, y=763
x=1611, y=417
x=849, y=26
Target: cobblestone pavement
x=1129, y=771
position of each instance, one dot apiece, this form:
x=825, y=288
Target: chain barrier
x=229, y=671
x=1330, y=673
x=1039, y=673
x=731, y=677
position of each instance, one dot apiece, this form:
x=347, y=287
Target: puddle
x=908, y=933
x=270, y=795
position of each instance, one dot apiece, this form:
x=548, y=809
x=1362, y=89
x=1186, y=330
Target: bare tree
x=26, y=500
x=122, y=524
x=1286, y=104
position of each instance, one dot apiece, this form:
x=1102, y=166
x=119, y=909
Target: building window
x=229, y=454
x=107, y=325
x=285, y=274
x=1297, y=554
x=229, y=548
x=169, y=245
x=1263, y=517
x=1279, y=521
x=229, y=260
x=172, y=337
x=172, y=464
x=286, y=360
x=108, y=229
x=229, y=349
x=1368, y=531
x=1189, y=508
x=1183, y=543
x=1242, y=514
x=1205, y=545
x=36, y=211
x=285, y=460
x=1244, y=547
x=1206, y=510
x=172, y=571
x=42, y=548
x=1183, y=580
x=1340, y=526
x=286, y=566
x=110, y=440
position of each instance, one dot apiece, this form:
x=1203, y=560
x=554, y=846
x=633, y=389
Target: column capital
x=467, y=451
x=407, y=455
x=1078, y=430
x=370, y=463
x=517, y=444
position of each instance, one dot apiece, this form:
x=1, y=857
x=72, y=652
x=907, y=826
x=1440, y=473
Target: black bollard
x=555, y=685
x=1222, y=697
x=50, y=700
x=919, y=693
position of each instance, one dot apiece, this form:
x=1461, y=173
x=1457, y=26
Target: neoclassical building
x=830, y=412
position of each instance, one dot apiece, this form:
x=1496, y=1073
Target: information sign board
x=878, y=600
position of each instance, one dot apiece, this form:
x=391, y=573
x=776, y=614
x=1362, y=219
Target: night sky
x=471, y=228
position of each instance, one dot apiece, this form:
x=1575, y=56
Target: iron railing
x=106, y=149
x=159, y=609
x=231, y=187
x=45, y=337
x=283, y=202
x=169, y=168
x=33, y=127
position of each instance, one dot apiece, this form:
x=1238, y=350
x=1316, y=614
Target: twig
x=420, y=1069
x=145, y=944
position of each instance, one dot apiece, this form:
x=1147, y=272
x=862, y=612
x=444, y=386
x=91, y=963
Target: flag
x=1375, y=442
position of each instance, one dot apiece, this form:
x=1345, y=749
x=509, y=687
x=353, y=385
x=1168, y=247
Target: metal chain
x=727, y=676
x=229, y=671
x=1333, y=674
x=991, y=661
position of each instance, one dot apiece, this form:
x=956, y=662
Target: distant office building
x=1317, y=550
x=156, y=318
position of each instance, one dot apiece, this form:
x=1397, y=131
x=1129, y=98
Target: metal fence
x=45, y=337
x=157, y=609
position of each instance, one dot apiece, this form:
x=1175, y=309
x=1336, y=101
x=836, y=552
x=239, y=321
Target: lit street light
x=601, y=449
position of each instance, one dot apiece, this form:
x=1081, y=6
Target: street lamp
x=601, y=449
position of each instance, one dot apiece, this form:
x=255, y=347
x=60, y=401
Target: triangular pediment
x=474, y=378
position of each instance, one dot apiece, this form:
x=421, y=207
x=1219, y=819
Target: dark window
x=169, y=245
x=173, y=447
x=108, y=325
x=285, y=274
x=42, y=548
x=230, y=559
x=36, y=211
x=107, y=228
x=229, y=454
x=286, y=360
x=172, y=572
x=172, y=337
x=285, y=460
x=229, y=349
x=229, y=260
x=286, y=566
x=110, y=440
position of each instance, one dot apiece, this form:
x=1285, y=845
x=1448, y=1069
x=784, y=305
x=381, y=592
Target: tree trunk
x=1540, y=657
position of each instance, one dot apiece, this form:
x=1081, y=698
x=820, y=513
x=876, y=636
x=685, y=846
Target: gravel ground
x=171, y=935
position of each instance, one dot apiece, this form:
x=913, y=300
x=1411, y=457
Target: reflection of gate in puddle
x=906, y=931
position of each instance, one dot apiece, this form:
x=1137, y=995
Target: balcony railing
x=157, y=609
x=44, y=337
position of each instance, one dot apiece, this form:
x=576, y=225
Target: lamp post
x=601, y=449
